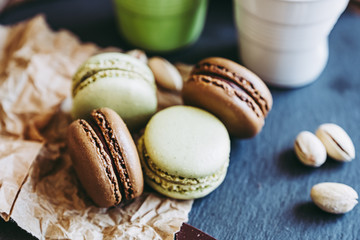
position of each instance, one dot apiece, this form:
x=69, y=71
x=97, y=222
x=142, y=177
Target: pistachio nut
x=334, y=197
x=166, y=74
x=337, y=142
x=139, y=54
x=309, y=149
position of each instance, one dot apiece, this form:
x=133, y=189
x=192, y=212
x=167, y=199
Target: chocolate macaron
x=238, y=97
x=105, y=158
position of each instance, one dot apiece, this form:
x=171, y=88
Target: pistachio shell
x=337, y=142
x=309, y=149
x=333, y=197
x=166, y=74
x=139, y=54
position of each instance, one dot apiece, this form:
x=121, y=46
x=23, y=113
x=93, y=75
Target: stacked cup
x=285, y=42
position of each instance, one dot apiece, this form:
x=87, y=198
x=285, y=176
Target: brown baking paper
x=38, y=187
x=354, y=6
x=6, y=4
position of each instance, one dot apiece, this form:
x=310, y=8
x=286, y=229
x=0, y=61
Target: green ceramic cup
x=160, y=25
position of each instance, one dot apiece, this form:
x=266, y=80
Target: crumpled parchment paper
x=38, y=186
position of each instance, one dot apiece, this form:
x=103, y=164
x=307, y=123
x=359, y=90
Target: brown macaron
x=238, y=97
x=105, y=158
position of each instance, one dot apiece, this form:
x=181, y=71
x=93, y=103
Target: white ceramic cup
x=285, y=42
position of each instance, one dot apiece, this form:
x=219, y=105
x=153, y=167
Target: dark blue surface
x=266, y=192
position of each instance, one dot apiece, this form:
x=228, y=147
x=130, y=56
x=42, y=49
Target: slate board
x=266, y=194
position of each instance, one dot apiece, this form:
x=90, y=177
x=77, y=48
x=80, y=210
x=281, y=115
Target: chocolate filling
x=113, y=149
x=223, y=83
x=227, y=76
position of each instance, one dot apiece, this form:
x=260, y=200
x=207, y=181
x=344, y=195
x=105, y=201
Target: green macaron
x=184, y=152
x=117, y=81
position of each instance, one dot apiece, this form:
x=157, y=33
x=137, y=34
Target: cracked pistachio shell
x=334, y=197
x=337, y=142
x=309, y=149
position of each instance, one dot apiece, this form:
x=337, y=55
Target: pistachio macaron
x=234, y=94
x=184, y=152
x=105, y=158
x=117, y=81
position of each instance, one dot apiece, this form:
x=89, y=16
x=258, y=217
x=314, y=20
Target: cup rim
x=240, y=8
x=172, y=8
x=297, y=1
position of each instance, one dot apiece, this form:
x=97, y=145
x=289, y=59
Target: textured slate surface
x=266, y=192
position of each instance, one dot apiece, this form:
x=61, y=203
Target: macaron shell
x=242, y=118
x=128, y=151
x=239, y=98
x=178, y=187
x=187, y=142
x=107, y=61
x=127, y=94
x=91, y=168
x=184, y=195
x=234, y=70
